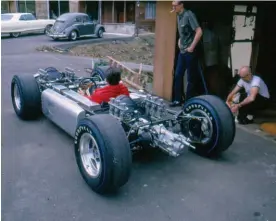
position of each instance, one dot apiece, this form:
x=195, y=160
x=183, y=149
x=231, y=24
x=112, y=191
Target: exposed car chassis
x=106, y=135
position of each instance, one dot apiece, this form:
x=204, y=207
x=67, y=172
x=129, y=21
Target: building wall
x=145, y=16
x=41, y=9
x=107, y=12
x=74, y=5
x=8, y=6
x=164, y=53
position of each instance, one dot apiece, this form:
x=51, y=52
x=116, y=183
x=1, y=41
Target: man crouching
x=113, y=89
x=256, y=97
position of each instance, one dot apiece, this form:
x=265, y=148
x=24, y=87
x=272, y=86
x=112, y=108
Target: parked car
x=75, y=25
x=16, y=24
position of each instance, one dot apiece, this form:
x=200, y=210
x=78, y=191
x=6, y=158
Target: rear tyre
x=15, y=34
x=26, y=97
x=102, y=153
x=216, y=133
x=100, y=33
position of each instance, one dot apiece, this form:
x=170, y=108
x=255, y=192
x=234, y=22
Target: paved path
x=40, y=179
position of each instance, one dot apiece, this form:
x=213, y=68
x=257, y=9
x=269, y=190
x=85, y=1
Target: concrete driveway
x=41, y=181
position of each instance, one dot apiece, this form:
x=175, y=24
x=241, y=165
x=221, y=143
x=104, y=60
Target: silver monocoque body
x=64, y=107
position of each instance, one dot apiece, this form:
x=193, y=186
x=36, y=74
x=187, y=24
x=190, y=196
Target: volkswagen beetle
x=75, y=25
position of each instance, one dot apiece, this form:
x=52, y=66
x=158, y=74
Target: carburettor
x=154, y=107
x=121, y=110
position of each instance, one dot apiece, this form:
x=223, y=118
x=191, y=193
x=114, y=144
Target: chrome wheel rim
x=206, y=126
x=47, y=30
x=15, y=34
x=90, y=155
x=16, y=97
x=100, y=33
x=73, y=35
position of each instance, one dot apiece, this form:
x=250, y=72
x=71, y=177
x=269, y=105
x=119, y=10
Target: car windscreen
x=6, y=17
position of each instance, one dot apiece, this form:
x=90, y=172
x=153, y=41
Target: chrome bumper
x=57, y=35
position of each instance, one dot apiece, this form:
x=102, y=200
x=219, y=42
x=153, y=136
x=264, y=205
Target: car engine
x=149, y=121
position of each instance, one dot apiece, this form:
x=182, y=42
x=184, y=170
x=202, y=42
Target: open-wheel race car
x=106, y=135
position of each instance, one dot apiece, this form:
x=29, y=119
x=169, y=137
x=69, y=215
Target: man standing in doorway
x=189, y=35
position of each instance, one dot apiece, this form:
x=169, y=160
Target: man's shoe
x=249, y=119
x=175, y=104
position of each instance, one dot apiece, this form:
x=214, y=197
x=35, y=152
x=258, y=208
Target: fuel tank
x=62, y=111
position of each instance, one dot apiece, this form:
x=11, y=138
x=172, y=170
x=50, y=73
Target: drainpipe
x=58, y=7
x=100, y=12
x=137, y=12
x=48, y=9
x=113, y=12
x=16, y=5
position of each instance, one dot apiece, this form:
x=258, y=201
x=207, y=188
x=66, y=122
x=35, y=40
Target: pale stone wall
x=12, y=6
x=128, y=29
x=73, y=5
x=41, y=8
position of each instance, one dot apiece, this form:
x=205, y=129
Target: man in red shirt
x=113, y=89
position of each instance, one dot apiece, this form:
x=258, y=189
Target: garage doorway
x=266, y=65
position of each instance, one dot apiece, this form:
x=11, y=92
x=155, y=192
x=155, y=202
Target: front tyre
x=73, y=35
x=102, y=153
x=26, y=97
x=48, y=29
x=215, y=131
x=100, y=33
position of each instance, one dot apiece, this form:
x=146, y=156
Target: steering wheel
x=88, y=83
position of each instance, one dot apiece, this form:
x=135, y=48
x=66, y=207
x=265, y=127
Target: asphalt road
x=41, y=181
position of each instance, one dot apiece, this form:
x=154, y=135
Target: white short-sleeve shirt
x=255, y=82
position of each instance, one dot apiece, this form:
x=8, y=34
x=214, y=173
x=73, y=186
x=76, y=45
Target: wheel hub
x=201, y=129
x=73, y=35
x=16, y=95
x=90, y=155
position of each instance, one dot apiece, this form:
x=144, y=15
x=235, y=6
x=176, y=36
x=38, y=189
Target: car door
x=80, y=25
x=31, y=23
x=89, y=25
x=22, y=24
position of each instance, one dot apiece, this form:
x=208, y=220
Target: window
x=26, y=6
x=150, y=10
x=107, y=8
x=4, y=7
x=78, y=19
x=85, y=19
x=29, y=17
x=57, y=8
x=22, y=18
x=6, y=17
x=130, y=11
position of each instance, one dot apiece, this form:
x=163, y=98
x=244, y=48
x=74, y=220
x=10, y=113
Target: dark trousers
x=195, y=79
x=260, y=103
